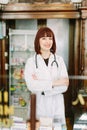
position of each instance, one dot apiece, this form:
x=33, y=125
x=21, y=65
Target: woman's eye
x=44, y=38
x=50, y=38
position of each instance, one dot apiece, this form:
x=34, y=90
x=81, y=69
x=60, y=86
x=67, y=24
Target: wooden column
x=33, y=123
x=83, y=58
x=77, y=46
x=82, y=46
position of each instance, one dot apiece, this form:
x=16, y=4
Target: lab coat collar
x=51, y=56
x=39, y=58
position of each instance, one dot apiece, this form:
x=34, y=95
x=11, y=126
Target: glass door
x=21, y=48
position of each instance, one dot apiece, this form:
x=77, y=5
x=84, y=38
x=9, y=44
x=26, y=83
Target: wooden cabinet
x=41, y=12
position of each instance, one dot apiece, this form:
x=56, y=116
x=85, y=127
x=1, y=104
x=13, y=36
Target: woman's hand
x=60, y=82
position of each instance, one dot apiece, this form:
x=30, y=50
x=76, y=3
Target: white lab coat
x=52, y=103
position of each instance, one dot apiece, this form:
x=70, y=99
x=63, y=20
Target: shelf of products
x=20, y=48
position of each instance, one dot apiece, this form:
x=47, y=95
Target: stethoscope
x=54, y=61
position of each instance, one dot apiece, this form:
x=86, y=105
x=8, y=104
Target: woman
x=46, y=76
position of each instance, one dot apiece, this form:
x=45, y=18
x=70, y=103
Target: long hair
x=44, y=32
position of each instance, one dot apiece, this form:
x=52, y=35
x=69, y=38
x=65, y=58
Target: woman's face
x=46, y=43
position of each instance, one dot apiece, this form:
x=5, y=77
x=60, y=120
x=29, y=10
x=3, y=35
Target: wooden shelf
x=39, y=11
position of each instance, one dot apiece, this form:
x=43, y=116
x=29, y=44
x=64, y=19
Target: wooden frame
x=39, y=11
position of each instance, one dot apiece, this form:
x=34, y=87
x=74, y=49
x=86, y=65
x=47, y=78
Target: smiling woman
x=47, y=80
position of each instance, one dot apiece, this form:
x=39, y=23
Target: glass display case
x=20, y=48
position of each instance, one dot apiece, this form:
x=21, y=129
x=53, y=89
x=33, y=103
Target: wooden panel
x=83, y=12
x=39, y=7
x=4, y=82
x=39, y=15
x=0, y=64
x=37, y=11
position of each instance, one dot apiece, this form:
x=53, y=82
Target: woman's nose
x=47, y=39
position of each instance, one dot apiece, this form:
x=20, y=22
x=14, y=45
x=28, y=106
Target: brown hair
x=44, y=32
